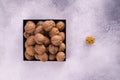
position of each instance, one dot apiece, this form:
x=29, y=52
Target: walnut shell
x=53, y=32
x=43, y=57
x=62, y=34
x=30, y=51
x=62, y=47
x=46, y=41
x=26, y=35
x=48, y=25
x=39, y=29
x=26, y=45
x=52, y=57
x=40, y=23
x=39, y=38
x=28, y=57
x=56, y=40
x=60, y=25
x=40, y=49
x=30, y=27
x=60, y=56
x=30, y=40
x=52, y=49
x=36, y=56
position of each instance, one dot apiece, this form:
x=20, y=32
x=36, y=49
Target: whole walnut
x=39, y=38
x=40, y=23
x=28, y=57
x=62, y=34
x=30, y=40
x=60, y=25
x=52, y=49
x=30, y=27
x=53, y=32
x=48, y=25
x=60, y=56
x=39, y=29
x=62, y=47
x=36, y=56
x=26, y=45
x=52, y=57
x=43, y=57
x=26, y=35
x=40, y=49
x=56, y=40
x=46, y=41
x=30, y=51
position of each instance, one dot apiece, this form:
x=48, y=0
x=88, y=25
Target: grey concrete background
x=100, y=18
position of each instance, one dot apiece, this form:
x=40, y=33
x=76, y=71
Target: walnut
x=26, y=35
x=48, y=25
x=30, y=40
x=52, y=57
x=39, y=38
x=62, y=34
x=40, y=49
x=46, y=41
x=36, y=56
x=43, y=57
x=60, y=56
x=29, y=27
x=60, y=25
x=90, y=40
x=30, y=51
x=26, y=45
x=62, y=47
x=52, y=49
x=28, y=57
x=39, y=29
x=53, y=32
x=40, y=23
x=56, y=40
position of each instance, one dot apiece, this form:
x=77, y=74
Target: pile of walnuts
x=45, y=40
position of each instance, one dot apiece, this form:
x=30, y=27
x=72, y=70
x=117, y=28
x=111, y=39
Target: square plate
x=36, y=21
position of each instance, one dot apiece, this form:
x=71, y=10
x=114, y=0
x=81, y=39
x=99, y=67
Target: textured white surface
x=99, y=18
